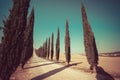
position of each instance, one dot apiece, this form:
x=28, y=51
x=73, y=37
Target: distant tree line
x=44, y=51
x=89, y=44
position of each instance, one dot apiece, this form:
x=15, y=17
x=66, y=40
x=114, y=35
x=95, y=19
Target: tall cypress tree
x=13, y=41
x=52, y=46
x=44, y=50
x=58, y=45
x=28, y=39
x=67, y=44
x=89, y=41
x=42, y=53
x=48, y=48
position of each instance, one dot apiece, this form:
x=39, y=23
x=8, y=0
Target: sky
x=103, y=16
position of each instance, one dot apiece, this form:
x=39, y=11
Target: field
x=109, y=64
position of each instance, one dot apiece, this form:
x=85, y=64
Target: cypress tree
x=44, y=50
x=28, y=39
x=48, y=48
x=37, y=52
x=58, y=45
x=67, y=44
x=52, y=46
x=89, y=41
x=41, y=51
x=12, y=45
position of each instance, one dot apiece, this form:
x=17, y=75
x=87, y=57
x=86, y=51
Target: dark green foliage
x=44, y=51
x=89, y=41
x=40, y=51
x=67, y=44
x=28, y=40
x=12, y=44
x=58, y=45
x=48, y=48
x=52, y=46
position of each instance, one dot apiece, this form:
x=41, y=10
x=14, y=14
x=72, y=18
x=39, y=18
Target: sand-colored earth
x=110, y=64
x=41, y=69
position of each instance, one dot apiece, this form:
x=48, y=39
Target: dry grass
x=109, y=64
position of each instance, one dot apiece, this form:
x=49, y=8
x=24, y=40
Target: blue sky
x=103, y=16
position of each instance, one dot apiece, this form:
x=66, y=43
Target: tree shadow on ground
x=59, y=62
x=50, y=73
x=35, y=62
x=102, y=75
x=38, y=65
